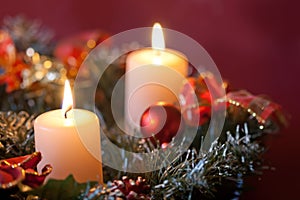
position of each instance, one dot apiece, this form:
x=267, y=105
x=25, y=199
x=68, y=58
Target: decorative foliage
x=60, y=189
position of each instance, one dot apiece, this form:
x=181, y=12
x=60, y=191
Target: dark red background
x=255, y=44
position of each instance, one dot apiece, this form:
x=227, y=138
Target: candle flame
x=68, y=100
x=158, y=41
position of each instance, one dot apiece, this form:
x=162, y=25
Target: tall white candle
x=63, y=136
x=152, y=75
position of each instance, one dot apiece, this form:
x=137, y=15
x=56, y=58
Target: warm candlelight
x=152, y=75
x=62, y=137
x=158, y=41
x=67, y=100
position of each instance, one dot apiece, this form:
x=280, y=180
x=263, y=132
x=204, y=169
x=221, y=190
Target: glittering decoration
x=203, y=174
x=31, y=68
x=218, y=173
x=16, y=134
x=73, y=50
x=29, y=33
x=31, y=81
x=26, y=49
x=43, y=69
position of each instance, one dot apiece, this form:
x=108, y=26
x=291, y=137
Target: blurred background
x=255, y=44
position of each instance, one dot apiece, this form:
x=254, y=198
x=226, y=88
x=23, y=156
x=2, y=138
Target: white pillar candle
x=152, y=75
x=70, y=142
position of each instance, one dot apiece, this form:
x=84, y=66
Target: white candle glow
x=152, y=75
x=57, y=138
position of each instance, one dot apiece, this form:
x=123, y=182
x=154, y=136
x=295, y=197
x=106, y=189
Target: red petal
x=27, y=163
x=35, y=179
x=10, y=175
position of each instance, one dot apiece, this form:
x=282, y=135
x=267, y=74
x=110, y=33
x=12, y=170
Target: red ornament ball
x=162, y=120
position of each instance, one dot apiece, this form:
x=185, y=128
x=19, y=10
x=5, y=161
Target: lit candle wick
x=67, y=104
x=67, y=110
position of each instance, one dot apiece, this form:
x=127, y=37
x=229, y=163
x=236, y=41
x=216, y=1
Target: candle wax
x=152, y=75
x=71, y=146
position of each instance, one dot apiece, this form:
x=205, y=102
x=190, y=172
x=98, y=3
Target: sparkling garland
x=16, y=134
x=195, y=174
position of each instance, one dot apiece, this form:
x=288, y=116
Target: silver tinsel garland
x=16, y=134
